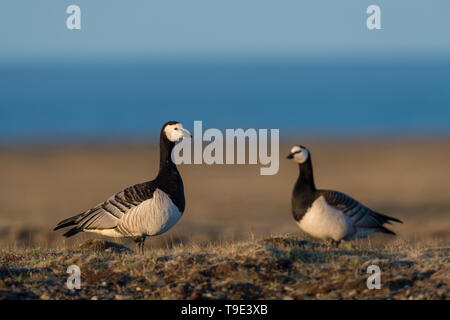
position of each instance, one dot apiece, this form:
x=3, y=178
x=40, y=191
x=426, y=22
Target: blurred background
x=81, y=110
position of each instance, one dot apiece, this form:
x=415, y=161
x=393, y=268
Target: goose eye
x=176, y=128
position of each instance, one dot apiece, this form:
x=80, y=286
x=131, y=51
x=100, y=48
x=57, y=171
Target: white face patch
x=295, y=149
x=175, y=132
x=300, y=154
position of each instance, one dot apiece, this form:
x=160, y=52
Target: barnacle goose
x=145, y=209
x=330, y=215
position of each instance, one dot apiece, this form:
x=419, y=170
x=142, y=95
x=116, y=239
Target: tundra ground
x=279, y=267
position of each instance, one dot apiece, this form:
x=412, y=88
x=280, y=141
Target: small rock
x=94, y=298
x=44, y=297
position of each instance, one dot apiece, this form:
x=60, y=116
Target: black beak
x=290, y=156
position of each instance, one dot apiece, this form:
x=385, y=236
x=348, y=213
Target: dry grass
x=281, y=267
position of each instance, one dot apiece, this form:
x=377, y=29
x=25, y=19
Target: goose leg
x=139, y=244
x=142, y=245
x=136, y=240
x=333, y=243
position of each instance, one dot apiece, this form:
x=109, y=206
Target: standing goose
x=330, y=215
x=145, y=209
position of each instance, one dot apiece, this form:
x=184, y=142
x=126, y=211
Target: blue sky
x=180, y=28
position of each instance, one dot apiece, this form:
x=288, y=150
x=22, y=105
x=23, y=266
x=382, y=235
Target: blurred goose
x=145, y=209
x=330, y=215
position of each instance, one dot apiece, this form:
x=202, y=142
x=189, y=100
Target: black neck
x=165, y=154
x=305, y=181
x=168, y=173
x=169, y=179
x=305, y=191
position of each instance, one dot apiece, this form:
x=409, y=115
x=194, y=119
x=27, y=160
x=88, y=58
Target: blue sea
x=95, y=100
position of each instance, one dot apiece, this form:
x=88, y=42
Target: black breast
x=177, y=196
x=171, y=183
x=301, y=202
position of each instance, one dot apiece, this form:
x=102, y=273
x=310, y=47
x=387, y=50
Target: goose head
x=299, y=154
x=174, y=131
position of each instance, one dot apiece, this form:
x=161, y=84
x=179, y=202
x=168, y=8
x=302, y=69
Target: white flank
x=325, y=222
x=106, y=232
x=152, y=217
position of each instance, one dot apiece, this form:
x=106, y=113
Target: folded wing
x=106, y=215
x=361, y=216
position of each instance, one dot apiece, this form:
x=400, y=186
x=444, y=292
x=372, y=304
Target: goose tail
x=72, y=221
x=387, y=219
x=386, y=230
